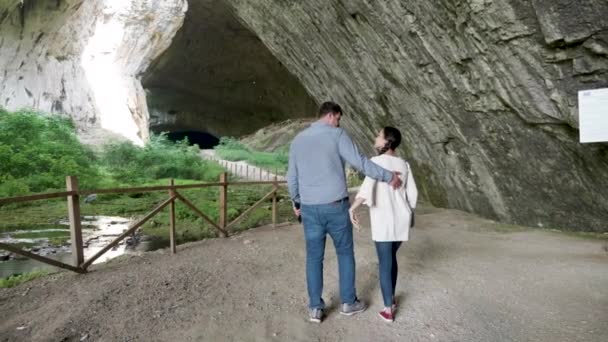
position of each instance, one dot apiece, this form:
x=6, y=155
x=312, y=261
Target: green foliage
x=37, y=152
x=230, y=143
x=15, y=280
x=233, y=150
x=159, y=158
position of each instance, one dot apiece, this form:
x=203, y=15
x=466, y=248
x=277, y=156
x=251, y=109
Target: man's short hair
x=329, y=107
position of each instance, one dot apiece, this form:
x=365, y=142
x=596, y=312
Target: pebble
x=21, y=328
x=247, y=242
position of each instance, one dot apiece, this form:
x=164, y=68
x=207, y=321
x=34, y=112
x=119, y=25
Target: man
x=317, y=184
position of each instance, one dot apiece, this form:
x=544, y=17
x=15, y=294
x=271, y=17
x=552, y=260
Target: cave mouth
x=218, y=77
x=204, y=140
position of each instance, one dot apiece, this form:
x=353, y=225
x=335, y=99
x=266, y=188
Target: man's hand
x=297, y=212
x=396, y=181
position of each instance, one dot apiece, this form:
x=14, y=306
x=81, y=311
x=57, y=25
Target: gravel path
x=461, y=278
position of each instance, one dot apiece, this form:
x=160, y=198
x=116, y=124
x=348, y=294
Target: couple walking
x=317, y=185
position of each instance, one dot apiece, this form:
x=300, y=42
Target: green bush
x=159, y=158
x=37, y=152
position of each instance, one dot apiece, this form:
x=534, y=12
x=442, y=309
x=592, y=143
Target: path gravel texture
x=461, y=278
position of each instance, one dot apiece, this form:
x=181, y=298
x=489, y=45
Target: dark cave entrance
x=204, y=140
x=218, y=77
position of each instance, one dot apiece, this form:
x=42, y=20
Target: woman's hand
x=353, y=218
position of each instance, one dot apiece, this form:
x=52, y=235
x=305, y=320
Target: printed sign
x=593, y=115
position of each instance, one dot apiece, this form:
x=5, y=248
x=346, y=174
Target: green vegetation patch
x=233, y=150
x=15, y=280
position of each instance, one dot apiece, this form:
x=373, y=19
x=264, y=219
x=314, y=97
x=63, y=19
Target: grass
x=233, y=150
x=15, y=280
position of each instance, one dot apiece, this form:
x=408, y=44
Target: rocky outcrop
x=218, y=77
x=85, y=58
x=484, y=91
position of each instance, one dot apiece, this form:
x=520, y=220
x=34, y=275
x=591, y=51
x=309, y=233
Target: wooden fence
x=73, y=195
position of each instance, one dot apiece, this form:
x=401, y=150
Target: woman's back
x=390, y=209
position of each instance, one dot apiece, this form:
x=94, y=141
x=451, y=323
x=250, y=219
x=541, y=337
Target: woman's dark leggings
x=387, y=263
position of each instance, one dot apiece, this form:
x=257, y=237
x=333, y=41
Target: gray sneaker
x=315, y=315
x=354, y=308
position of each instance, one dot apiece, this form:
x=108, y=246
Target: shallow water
x=101, y=230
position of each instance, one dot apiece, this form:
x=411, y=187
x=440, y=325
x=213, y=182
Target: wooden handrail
x=73, y=194
x=268, y=195
x=36, y=197
x=37, y=257
x=128, y=232
x=201, y=214
x=50, y=195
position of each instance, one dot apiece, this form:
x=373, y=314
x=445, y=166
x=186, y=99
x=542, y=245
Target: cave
x=203, y=140
x=219, y=78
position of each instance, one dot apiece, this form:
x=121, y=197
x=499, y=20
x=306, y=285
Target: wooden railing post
x=172, y=240
x=75, y=223
x=274, y=202
x=223, y=200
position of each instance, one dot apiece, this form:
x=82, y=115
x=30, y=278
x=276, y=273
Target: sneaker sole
x=386, y=320
x=314, y=320
x=352, y=312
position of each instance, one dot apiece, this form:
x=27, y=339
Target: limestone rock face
x=483, y=90
x=218, y=77
x=84, y=58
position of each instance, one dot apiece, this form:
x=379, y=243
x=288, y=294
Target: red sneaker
x=387, y=315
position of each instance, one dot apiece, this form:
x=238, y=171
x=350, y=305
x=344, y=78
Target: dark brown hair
x=329, y=107
x=392, y=137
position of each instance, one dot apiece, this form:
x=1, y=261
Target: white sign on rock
x=593, y=115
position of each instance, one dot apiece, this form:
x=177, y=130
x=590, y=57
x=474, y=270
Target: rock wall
x=484, y=92
x=84, y=58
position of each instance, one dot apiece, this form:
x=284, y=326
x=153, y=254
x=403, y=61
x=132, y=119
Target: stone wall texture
x=484, y=91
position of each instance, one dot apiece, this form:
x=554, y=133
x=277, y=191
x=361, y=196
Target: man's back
x=316, y=164
x=320, y=168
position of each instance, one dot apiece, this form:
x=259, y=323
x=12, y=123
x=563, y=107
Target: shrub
x=38, y=151
x=159, y=158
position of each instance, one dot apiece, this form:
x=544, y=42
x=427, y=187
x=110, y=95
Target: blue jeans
x=387, y=264
x=320, y=220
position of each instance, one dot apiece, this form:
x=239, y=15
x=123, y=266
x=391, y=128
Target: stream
x=97, y=232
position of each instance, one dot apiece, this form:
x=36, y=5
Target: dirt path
x=461, y=279
x=241, y=168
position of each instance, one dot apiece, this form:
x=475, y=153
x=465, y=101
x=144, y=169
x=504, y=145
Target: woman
x=391, y=213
